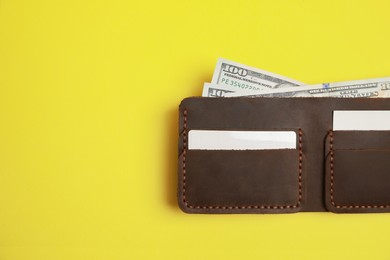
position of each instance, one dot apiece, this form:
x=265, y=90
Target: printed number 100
x=235, y=70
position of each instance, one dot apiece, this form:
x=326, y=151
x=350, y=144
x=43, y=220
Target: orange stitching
x=332, y=184
x=238, y=207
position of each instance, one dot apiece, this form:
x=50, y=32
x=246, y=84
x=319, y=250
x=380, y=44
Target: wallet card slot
x=240, y=181
x=358, y=171
x=357, y=140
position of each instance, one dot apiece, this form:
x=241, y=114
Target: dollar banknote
x=211, y=90
x=242, y=77
x=369, y=88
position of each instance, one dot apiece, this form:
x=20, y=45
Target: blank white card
x=241, y=140
x=361, y=120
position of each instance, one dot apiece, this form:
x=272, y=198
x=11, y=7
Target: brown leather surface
x=284, y=181
x=358, y=171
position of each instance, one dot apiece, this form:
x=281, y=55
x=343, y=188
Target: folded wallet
x=337, y=171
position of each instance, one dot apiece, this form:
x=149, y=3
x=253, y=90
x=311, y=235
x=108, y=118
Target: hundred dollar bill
x=211, y=90
x=370, y=88
x=242, y=77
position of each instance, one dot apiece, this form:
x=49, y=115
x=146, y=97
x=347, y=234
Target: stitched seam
x=332, y=181
x=187, y=204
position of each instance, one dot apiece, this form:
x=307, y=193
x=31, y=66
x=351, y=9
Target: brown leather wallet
x=337, y=171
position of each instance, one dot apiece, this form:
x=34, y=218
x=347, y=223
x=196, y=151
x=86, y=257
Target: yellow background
x=89, y=92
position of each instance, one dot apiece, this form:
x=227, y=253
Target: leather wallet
x=337, y=171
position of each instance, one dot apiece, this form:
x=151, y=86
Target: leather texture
x=358, y=171
x=338, y=171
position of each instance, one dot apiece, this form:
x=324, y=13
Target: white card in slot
x=363, y=120
x=241, y=140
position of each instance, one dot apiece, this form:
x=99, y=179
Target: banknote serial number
x=236, y=84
